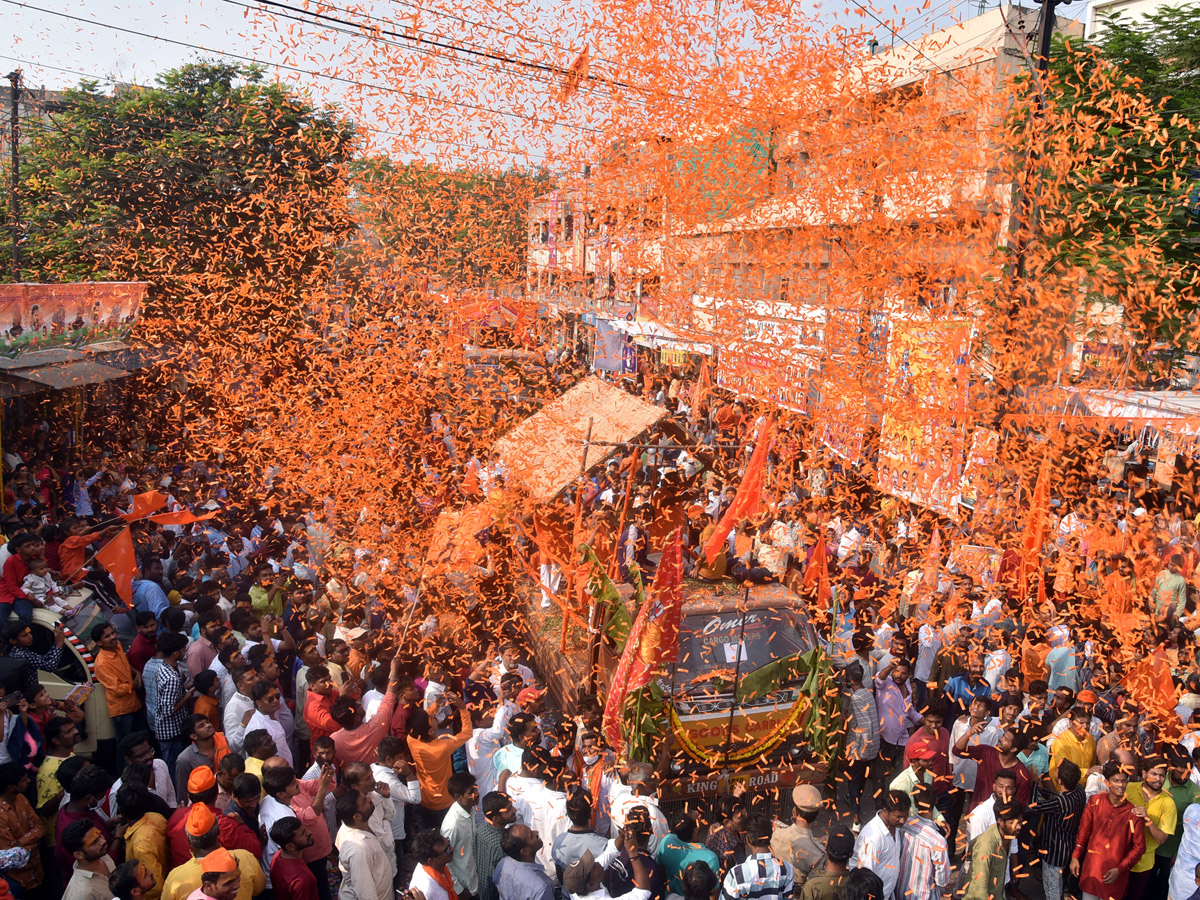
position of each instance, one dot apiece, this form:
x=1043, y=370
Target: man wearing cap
x=826, y=883
x=202, y=791
x=221, y=878
x=794, y=843
x=584, y=878
x=204, y=839
x=918, y=774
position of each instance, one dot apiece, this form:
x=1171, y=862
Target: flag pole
x=737, y=674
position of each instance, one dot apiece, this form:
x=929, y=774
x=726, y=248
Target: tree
x=1120, y=172
x=227, y=194
x=468, y=227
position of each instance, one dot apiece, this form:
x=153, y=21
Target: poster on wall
x=922, y=442
x=771, y=359
x=41, y=316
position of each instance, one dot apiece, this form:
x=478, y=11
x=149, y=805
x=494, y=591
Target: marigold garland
x=764, y=745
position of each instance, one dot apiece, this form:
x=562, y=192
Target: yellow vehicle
x=720, y=734
x=77, y=668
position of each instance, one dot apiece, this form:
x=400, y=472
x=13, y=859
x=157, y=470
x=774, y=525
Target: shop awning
x=75, y=374
x=545, y=452
x=656, y=335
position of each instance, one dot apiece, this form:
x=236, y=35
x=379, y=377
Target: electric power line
x=337, y=78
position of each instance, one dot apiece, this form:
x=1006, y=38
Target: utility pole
x=1022, y=209
x=14, y=79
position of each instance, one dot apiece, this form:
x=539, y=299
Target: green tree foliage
x=226, y=193
x=1121, y=168
x=468, y=227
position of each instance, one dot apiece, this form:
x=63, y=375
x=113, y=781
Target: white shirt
x=1183, y=873
x=878, y=849
x=459, y=829
x=164, y=786
x=965, y=770
x=381, y=826
x=228, y=689
x=235, y=731
x=272, y=727
x=526, y=675
x=480, y=749
x=422, y=881
x=271, y=811
x=402, y=792
x=366, y=871
x=929, y=640
x=619, y=811
x=371, y=701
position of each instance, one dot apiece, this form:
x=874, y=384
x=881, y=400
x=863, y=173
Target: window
x=568, y=227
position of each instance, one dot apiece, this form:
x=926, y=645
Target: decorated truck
x=751, y=698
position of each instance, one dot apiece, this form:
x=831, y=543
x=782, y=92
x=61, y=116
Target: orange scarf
x=441, y=878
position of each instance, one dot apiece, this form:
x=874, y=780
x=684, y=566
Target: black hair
x=11, y=774
x=98, y=630
x=229, y=760
x=512, y=845
x=699, y=881
x=143, y=617
x=246, y=786
x=316, y=673
x=862, y=884
x=261, y=689
x=579, y=808
x=758, y=829
x=70, y=767
x=257, y=655
x=683, y=827
x=133, y=799
x=343, y=710
x=170, y=642
x=347, y=806
x=91, y=781
x=1069, y=774
x=896, y=801
x=460, y=783
x=239, y=673
x=389, y=748
x=255, y=739
x=284, y=830
x=277, y=778
x=131, y=740
x=54, y=729
x=425, y=844
x=207, y=618
x=324, y=742
x=124, y=881
x=173, y=619
x=493, y=802
x=1010, y=774
x=74, y=834
x=204, y=681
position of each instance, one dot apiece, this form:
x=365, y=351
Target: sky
x=58, y=42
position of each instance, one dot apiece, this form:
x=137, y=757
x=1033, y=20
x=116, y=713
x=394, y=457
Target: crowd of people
x=285, y=715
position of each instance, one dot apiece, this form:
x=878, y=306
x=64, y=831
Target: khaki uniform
x=795, y=845
x=823, y=886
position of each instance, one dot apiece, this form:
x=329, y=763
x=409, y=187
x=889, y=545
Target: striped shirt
x=862, y=739
x=760, y=877
x=1061, y=815
x=924, y=861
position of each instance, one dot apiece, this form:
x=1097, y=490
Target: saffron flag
x=817, y=572
x=654, y=640
x=701, y=391
x=144, y=504
x=182, y=517
x=1035, y=529
x=1151, y=687
x=118, y=558
x=575, y=74
x=748, y=499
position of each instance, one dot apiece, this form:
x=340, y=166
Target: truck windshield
x=709, y=646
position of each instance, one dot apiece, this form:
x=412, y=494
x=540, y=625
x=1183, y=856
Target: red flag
x=117, y=557
x=574, y=75
x=748, y=499
x=144, y=504
x=183, y=517
x=653, y=640
x=1035, y=529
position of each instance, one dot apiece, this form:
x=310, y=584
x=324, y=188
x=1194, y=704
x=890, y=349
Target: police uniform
x=823, y=885
x=795, y=843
